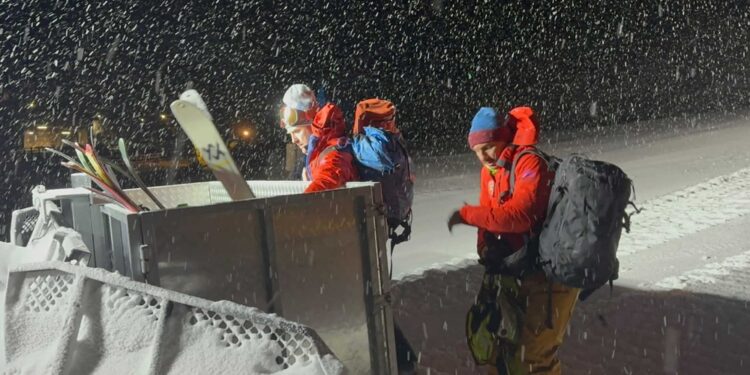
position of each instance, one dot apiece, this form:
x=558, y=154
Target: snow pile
x=58, y=243
x=47, y=239
x=85, y=321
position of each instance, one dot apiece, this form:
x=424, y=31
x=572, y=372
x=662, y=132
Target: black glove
x=454, y=219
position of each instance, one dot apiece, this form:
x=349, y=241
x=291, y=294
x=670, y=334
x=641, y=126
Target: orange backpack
x=377, y=113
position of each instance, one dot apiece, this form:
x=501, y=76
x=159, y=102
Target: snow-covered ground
x=693, y=184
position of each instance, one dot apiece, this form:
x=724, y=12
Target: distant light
x=41, y=127
x=65, y=132
x=30, y=132
x=246, y=133
x=32, y=104
x=163, y=116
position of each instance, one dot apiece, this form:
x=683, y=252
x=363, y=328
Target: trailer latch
x=145, y=253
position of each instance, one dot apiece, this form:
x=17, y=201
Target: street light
x=245, y=130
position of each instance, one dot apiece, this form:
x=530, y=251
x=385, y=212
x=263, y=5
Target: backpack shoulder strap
x=533, y=151
x=344, y=145
x=402, y=143
x=326, y=151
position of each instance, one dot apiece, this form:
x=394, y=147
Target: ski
x=103, y=195
x=84, y=162
x=134, y=175
x=109, y=171
x=73, y=162
x=80, y=153
x=119, y=196
x=60, y=154
x=192, y=115
x=98, y=168
x=106, y=173
x=113, y=188
x=109, y=167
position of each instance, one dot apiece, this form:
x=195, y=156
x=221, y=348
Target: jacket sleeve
x=526, y=207
x=333, y=172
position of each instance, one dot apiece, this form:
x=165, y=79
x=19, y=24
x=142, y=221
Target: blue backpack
x=382, y=156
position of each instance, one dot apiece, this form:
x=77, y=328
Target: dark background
x=579, y=64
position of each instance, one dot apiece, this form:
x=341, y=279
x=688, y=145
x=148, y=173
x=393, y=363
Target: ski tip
x=178, y=108
x=177, y=104
x=193, y=97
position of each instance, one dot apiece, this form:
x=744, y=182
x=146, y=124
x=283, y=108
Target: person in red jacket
x=506, y=218
x=328, y=164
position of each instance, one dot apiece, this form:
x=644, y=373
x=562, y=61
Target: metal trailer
x=316, y=259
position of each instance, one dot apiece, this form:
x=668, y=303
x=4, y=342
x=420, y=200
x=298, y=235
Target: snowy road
x=681, y=304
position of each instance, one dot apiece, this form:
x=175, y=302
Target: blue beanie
x=486, y=128
x=485, y=119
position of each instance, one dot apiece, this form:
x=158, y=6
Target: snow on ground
x=694, y=188
x=76, y=320
x=688, y=211
x=709, y=274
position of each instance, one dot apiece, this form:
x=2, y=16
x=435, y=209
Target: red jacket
x=511, y=216
x=328, y=166
x=332, y=169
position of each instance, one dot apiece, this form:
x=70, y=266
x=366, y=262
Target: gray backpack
x=577, y=243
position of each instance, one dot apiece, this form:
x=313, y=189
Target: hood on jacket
x=328, y=123
x=523, y=124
